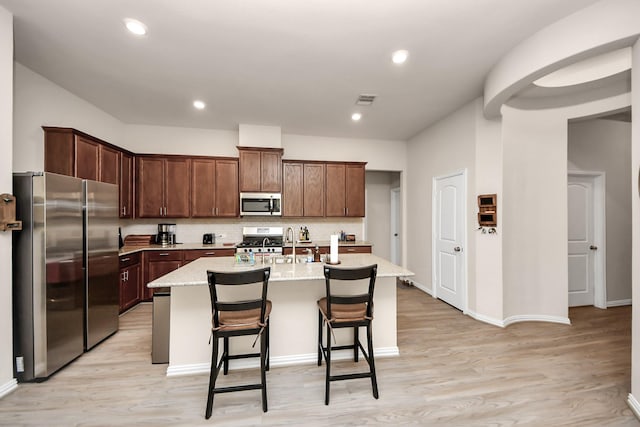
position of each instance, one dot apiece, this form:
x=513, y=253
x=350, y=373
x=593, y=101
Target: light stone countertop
x=126, y=250
x=194, y=273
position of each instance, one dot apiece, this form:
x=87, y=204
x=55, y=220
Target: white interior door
x=449, y=239
x=582, y=244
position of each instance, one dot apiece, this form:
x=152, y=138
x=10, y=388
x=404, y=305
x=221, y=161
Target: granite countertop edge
x=192, y=274
x=127, y=250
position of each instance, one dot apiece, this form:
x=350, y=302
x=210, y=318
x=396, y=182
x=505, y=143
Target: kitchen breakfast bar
x=294, y=289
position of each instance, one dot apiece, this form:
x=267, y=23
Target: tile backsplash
x=229, y=230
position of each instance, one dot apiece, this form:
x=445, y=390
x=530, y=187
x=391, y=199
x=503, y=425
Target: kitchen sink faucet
x=293, y=242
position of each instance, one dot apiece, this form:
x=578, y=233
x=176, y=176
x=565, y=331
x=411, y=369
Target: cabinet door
x=271, y=171
x=149, y=187
x=250, y=174
x=59, y=152
x=292, y=189
x=194, y=254
x=354, y=189
x=203, y=188
x=226, y=193
x=109, y=164
x=313, y=189
x=129, y=287
x=156, y=269
x=86, y=158
x=177, y=180
x=126, y=185
x=335, y=189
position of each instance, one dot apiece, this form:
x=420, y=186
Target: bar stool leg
x=319, y=338
x=266, y=331
x=213, y=375
x=355, y=343
x=225, y=355
x=372, y=366
x=263, y=367
x=328, y=361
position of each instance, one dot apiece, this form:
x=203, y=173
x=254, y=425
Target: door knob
x=457, y=249
x=593, y=248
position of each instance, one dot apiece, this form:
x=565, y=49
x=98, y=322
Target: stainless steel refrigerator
x=65, y=273
x=101, y=265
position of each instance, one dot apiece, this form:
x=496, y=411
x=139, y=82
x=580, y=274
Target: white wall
x=635, y=227
x=605, y=145
x=487, y=300
x=7, y=382
x=534, y=210
x=174, y=140
x=445, y=147
x=39, y=102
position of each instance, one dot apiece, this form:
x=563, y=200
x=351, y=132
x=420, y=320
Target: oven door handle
x=271, y=206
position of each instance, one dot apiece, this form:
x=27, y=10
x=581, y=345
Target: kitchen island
x=293, y=290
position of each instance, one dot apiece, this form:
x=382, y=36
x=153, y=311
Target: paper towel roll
x=334, y=249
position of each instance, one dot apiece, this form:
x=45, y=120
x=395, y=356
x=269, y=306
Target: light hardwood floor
x=453, y=371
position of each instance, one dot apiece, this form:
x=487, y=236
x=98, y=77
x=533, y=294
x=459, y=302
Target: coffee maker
x=166, y=234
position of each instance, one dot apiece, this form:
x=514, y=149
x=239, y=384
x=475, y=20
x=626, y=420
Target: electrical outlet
x=20, y=364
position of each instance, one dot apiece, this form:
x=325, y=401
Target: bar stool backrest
x=259, y=277
x=348, y=274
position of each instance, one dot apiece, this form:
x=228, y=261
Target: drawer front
x=193, y=254
x=354, y=249
x=164, y=255
x=129, y=260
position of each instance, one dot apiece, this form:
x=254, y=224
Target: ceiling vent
x=365, y=99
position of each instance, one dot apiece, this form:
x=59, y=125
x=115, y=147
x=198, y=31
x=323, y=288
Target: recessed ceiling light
x=135, y=26
x=199, y=105
x=400, y=56
x=356, y=116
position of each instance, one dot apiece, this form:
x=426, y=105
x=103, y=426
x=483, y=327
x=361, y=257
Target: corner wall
x=445, y=147
x=7, y=382
x=635, y=230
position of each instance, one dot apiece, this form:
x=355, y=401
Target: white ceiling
x=298, y=64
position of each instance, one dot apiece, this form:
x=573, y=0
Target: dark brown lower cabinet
x=158, y=263
x=130, y=269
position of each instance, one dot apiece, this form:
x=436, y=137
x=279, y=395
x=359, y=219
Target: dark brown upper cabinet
x=345, y=184
x=214, y=188
x=163, y=186
x=260, y=169
x=303, y=190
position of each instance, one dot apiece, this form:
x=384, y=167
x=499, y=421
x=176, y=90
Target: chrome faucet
x=264, y=243
x=292, y=239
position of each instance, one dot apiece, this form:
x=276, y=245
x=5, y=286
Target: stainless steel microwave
x=260, y=204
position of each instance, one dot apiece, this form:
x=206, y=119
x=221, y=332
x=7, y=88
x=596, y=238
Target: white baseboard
x=8, y=387
x=485, y=319
x=536, y=318
x=634, y=405
x=619, y=303
x=298, y=359
x=422, y=287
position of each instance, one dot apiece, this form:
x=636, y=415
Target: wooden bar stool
x=238, y=318
x=347, y=311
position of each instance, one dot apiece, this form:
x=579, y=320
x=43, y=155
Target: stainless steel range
x=261, y=240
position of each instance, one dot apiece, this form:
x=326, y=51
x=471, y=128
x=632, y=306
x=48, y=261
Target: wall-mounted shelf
x=8, y=213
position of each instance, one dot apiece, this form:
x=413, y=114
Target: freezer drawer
x=160, y=327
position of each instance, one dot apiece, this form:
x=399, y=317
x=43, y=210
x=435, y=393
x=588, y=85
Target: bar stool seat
x=239, y=318
x=347, y=311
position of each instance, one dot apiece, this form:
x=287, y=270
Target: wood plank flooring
x=453, y=371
